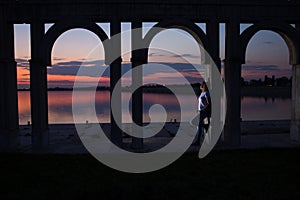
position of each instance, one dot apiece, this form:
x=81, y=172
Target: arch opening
x=74, y=50
x=266, y=83
x=192, y=29
x=59, y=28
x=287, y=32
x=173, y=53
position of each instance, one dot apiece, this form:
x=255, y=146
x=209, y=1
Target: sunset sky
x=267, y=54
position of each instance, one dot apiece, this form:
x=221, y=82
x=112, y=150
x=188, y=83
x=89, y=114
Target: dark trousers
x=200, y=132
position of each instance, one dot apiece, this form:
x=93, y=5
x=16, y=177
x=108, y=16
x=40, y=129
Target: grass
x=226, y=174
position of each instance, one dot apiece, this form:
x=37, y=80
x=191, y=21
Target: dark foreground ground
x=223, y=174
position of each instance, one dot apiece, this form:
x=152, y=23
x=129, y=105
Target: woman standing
x=204, y=109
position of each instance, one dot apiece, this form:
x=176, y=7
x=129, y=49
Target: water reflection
x=24, y=107
x=255, y=108
x=60, y=107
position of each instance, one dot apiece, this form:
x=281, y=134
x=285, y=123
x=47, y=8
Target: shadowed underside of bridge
x=282, y=17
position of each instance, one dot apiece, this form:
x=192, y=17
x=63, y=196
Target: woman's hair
x=204, y=86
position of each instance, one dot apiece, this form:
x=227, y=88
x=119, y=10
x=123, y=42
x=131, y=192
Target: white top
x=202, y=100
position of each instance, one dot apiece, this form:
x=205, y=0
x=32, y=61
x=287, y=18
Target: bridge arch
x=286, y=31
x=291, y=37
x=64, y=25
x=195, y=31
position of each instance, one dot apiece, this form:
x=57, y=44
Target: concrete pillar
x=9, y=125
x=213, y=35
x=232, y=70
x=295, y=115
x=38, y=89
x=115, y=76
x=295, y=110
x=137, y=80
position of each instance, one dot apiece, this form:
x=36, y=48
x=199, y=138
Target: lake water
x=60, y=107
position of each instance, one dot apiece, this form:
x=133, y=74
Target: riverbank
x=255, y=134
x=264, y=167
x=247, y=127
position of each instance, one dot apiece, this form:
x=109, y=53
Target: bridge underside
x=271, y=15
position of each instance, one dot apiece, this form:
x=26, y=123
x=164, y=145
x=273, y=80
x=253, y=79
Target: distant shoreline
x=249, y=91
x=264, y=91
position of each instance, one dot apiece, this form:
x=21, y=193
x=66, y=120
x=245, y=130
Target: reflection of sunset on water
x=24, y=107
x=254, y=108
x=60, y=107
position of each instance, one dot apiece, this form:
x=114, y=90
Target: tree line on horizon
x=268, y=82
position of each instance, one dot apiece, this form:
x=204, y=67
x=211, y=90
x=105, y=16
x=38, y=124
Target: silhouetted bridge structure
x=280, y=16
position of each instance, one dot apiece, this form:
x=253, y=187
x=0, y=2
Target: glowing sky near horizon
x=267, y=54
